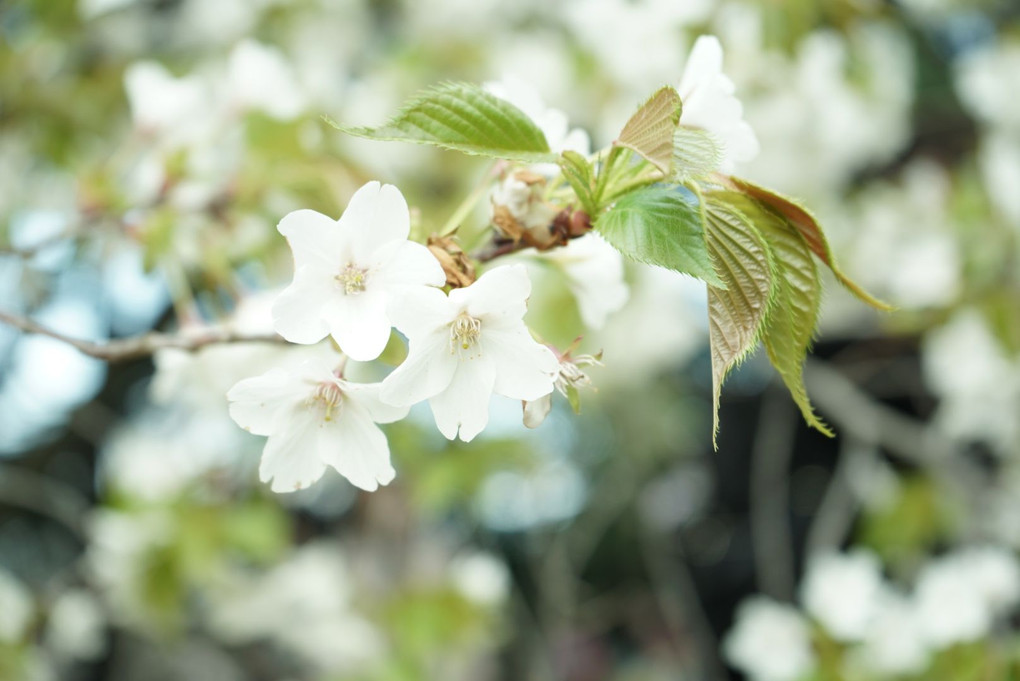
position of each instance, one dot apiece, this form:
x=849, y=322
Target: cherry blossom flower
x=709, y=103
x=466, y=346
x=347, y=270
x=314, y=418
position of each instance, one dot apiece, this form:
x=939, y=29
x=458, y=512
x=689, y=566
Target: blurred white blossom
x=769, y=641
x=893, y=643
x=960, y=595
x=16, y=608
x=480, y=577
x=978, y=384
x=76, y=626
x=303, y=604
x=842, y=592
x=176, y=110
x=260, y=78
x=986, y=80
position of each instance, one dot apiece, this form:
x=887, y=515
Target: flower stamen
x=352, y=279
x=464, y=332
x=330, y=396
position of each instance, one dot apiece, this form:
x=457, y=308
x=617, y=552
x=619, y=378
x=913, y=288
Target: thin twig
x=472, y=199
x=677, y=598
x=772, y=541
x=858, y=414
x=835, y=515
x=125, y=349
x=30, y=252
x=46, y=496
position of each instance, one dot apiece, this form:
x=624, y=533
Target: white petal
x=406, y=263
x=291, y=457
x=743, y=143
x=579, y=141
x=499, y=294
x=535, y=411
x=703, y=64
x=359, y=324
x=258, y=404
x=465, y=402
x=525, y=370
x=595, y=275
x=376, y=215
x=710, y=104
x=297, y=311
x=427, y=371
x=315, y=239
x=357, y=448
x=420, y=312
x=366, y=396
x=318, y=367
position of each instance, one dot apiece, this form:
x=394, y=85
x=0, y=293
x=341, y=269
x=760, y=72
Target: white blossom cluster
x=358, y=278
x=355, y=280
x=883, y=631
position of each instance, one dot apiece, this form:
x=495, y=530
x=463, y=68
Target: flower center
x=352, y=279
x=464, y=332
x=329, y=397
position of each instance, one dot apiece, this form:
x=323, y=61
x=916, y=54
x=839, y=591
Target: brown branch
x=124, y=349
x=31, y=251
x=496, y=248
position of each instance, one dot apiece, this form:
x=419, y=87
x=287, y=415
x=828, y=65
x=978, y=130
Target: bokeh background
x=147, y=150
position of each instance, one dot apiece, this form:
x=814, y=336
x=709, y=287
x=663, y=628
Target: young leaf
x=808, y=226
x=649, y=132
x=465, y=118
x=656, y=225
x=577, y=171
x=791, y=322
x=695, y=154
x=736, y=315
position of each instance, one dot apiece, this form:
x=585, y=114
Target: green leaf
x=656, y=225
x=649, y=132
x=578, y=172
x=696, y=154
x=791, y=322
x=808, y=226
x=738, y=313
x=465, y=118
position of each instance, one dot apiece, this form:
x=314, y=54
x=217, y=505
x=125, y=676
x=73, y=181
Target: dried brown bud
x=506, y=223
x=580, y=224
x=529, y=178
x=455, y=262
